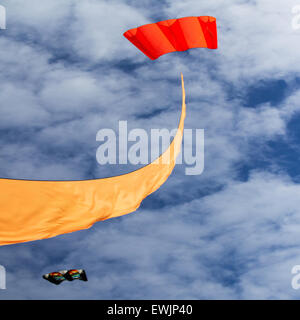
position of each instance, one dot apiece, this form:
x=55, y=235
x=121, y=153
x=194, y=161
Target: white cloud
x=98, y=31
x=266, y=122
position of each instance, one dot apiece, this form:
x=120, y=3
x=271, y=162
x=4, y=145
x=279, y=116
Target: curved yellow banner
x=33, y=210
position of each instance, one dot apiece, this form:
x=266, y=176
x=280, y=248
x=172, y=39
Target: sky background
x=232, y=232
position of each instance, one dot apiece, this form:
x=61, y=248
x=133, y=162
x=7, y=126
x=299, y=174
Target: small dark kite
x=59, y=276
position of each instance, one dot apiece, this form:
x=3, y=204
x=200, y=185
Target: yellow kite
x=33, y=210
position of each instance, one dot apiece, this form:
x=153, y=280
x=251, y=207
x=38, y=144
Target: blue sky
x=232, y=232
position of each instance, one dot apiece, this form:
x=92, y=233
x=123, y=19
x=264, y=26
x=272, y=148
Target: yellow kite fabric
x=33, y=210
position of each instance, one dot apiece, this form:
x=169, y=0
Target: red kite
x=166, y=36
